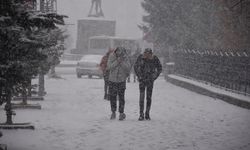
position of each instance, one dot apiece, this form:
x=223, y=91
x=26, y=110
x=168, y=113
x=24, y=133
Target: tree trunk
x=8, y=108
x=41, y=88
x=24, y=95
x=30, y=88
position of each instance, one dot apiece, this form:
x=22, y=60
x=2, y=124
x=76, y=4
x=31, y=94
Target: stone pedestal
x=89, y=27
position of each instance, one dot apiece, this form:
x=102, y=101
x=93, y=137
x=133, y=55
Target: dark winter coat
x=104, y=63
x=103, y=66
x=147, y=69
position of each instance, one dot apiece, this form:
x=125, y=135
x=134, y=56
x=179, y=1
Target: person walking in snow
x=119, y=68
x=103, y=66
x=147, y=68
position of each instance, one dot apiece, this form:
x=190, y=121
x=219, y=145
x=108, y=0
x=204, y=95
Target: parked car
x=89, y=65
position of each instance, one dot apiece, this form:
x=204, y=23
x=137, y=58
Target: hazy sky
x=127, y=13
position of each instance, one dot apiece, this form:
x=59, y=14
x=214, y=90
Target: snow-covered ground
x=74, y=116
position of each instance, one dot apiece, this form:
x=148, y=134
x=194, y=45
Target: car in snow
x=89, y=65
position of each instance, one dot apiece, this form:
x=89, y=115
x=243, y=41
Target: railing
x=225, y=69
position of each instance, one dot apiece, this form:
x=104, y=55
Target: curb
x=204, y=91
x=26, y=106
x=16, y=126
x=33, y=98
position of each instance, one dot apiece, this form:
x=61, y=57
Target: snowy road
x=74, y=116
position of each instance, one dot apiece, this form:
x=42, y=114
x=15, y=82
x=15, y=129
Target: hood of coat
x=120, y=52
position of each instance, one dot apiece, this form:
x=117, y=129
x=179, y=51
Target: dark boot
x=141, y=117
x=147, y=117
x=122, y=116
x=113, y=116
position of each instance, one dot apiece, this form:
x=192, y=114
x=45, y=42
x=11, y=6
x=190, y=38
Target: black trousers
x=114, y=90
x=148, y=88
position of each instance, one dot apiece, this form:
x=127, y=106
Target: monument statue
x=98, y=9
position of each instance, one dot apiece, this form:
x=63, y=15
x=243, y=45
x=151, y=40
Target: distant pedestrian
x=105, y=71
x=119, y=67
x=133, y=58
x=147, y=69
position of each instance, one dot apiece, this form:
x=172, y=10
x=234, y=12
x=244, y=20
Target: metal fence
x=225, y=69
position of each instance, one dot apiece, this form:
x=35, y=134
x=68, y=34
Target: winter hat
x=148, y=50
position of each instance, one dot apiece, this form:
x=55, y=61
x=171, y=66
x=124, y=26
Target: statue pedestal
x=92, y=26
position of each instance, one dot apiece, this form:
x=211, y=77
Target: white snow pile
x=74, y=116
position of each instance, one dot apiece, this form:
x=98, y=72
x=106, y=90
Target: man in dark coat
x=147, y=68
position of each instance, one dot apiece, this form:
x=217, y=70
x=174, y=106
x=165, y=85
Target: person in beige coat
x=119, y=69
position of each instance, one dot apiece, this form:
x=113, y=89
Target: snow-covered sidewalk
x=74, y=116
